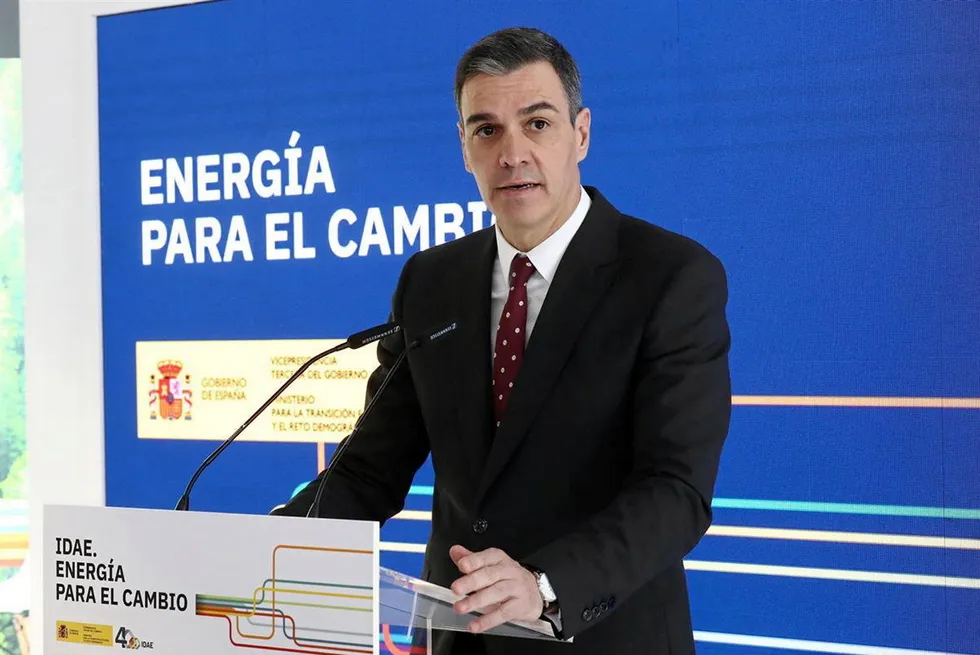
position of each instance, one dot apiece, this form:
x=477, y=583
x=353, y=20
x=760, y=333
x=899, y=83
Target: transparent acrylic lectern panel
x=412, y=609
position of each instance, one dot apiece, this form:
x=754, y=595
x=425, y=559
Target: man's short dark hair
x=509, y=49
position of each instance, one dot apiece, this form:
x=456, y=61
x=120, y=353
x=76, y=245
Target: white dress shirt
x=545, y=258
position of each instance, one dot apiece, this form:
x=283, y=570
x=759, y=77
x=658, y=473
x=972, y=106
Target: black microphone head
x=371, y=335
x=435, y=334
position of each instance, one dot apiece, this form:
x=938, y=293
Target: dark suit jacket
x=603, y=469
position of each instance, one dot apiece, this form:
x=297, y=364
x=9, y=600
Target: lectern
x=173, y=583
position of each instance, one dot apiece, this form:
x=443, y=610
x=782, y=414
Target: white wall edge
x=63, y=292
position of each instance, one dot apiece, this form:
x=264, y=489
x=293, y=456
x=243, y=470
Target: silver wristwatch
x=544, y=588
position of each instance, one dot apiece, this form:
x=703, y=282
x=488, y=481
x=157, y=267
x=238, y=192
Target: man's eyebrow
x=538, y=106
x=530, y=109
x=479, y=118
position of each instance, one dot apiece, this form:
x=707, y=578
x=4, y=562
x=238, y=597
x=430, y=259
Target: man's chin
x=520, y=222
x=521, y=208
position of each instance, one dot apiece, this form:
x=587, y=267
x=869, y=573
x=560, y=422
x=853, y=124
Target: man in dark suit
x=576, y=418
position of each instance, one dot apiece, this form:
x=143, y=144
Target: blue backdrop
x=828, y=153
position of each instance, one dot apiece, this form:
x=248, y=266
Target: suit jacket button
x=480, y=526
x=587, y=615
x=603, y=606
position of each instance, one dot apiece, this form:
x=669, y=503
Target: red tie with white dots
x=508, y=352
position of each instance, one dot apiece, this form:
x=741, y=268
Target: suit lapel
x=585, y=272
x=472, y=365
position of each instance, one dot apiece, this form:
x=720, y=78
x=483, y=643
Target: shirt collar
x=546, y=256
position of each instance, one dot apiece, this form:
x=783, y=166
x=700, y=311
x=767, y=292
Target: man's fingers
x=494, y=584
x=485, y=599
x=479, y=579
x=471, y=562
x=501, y=614
x=458, y=552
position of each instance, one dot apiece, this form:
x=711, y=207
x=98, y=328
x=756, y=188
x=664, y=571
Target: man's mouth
x=519, y=186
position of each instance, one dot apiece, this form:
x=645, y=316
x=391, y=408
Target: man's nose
x=515, y=149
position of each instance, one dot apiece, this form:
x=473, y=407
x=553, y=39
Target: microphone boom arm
x=426, y=338
x=355, y=341
x=321, y=485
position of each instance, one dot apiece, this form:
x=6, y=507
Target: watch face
x=545, y=588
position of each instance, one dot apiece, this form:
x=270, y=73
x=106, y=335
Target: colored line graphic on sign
x=389, y=642
x=806, y=506
x=901, y=402
x=342, y=612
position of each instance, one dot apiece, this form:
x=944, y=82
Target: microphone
x=425, y=338
x=354, y=341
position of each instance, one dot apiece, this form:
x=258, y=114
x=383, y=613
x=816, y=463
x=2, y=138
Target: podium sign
x=173, y=583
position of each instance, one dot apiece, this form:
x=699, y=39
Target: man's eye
x=486, y=130
x=539, y=123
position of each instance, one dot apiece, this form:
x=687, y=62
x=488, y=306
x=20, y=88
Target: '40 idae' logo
x=170, y=397
x=126, y=638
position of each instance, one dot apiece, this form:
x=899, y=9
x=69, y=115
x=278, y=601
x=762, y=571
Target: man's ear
x=583, y=132
x=462, y=147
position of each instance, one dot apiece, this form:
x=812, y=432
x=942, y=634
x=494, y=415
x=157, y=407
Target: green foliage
x=8, y=636
x=15, y=484
x=12, y=433
x=12, y=438
x=13, y=457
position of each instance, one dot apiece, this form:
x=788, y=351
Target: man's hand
x=495, y=585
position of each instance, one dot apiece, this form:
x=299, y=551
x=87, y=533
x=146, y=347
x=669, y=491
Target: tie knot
x=521, y=269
